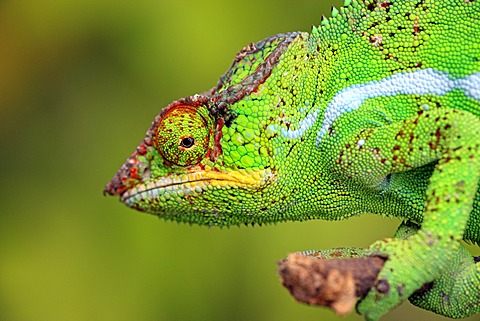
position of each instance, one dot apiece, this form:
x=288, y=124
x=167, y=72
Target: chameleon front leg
x=448, y=137
x=456, y=292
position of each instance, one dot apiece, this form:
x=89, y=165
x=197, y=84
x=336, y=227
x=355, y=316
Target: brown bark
x=334, y=283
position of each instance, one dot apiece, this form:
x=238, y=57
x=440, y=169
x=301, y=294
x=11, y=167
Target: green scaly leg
x=456, y=292
x=456, y=289
x=450, y=138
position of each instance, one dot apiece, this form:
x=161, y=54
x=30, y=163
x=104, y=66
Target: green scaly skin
x=376, y=111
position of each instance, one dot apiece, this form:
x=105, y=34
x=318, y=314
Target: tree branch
x=336, y=283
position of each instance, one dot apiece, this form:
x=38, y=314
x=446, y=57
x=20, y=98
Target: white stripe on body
x=420, y=82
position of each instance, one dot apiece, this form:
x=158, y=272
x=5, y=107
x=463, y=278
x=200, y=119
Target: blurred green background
x=80, y=82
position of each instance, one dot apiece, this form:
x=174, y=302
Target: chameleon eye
x=183, y=135
x=187, y=142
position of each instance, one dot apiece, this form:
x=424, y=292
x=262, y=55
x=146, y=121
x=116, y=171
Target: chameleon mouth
x=178, y=186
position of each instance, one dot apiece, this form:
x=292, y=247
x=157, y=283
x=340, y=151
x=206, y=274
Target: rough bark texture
x=333, y=283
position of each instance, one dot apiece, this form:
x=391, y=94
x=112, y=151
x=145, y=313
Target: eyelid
x=183, y=135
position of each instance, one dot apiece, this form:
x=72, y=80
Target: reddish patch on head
x=217, y=144
x=129, y=174
x=142, y=149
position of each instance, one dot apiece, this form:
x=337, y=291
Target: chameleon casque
x=375, y=111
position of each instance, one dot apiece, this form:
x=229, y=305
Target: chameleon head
x=179, y=170
x=220, y=158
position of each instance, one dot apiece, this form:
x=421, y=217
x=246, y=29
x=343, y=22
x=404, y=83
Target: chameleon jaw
x=178, y=186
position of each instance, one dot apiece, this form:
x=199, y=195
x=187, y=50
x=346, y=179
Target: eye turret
x=183, y=135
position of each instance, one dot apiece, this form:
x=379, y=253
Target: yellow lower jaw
x=235, y=177
x=198, y=181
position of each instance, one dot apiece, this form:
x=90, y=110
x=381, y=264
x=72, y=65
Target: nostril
x=146, y=173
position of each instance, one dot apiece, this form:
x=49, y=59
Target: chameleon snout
x=130, y=174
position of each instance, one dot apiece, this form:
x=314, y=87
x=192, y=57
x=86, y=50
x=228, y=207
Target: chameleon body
x=375, y=111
